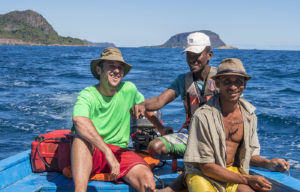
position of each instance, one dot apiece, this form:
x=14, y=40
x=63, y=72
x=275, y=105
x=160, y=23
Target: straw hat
x=231, y=66
x=109, y=54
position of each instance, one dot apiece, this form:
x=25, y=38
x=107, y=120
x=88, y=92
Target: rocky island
x=179, y=41
x=30, y=28
x=104, y=44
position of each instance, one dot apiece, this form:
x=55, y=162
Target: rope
x=160, y=180
x=185, y=124
x=63, y=139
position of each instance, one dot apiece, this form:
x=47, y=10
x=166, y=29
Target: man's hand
x=113, y=164
x=259, y=183
x=278, y=165
x=138, y=110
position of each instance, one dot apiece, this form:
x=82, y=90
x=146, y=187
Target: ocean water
x=39, y=85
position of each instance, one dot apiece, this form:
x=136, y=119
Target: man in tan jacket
x=223, y=140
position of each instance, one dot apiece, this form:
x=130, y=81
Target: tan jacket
x=206, y=142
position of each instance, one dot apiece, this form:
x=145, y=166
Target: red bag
x=51, y=151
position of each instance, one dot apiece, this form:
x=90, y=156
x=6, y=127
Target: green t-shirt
x=110, y=115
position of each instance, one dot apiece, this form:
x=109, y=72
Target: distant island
x=179, y=41
x=30, y=28
x=104, y=44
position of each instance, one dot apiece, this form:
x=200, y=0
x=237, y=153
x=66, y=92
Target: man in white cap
x=195, y=88
x=101, y=121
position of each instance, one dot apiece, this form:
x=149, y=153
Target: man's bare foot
x=167, y=189
x=177, y=184
x=149, y=188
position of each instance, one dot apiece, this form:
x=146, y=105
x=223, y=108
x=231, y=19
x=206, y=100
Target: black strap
x=188, y=105
x=62, y=139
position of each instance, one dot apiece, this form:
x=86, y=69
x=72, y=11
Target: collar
x=215, y=103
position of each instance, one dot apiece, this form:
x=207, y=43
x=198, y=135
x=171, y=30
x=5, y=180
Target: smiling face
x=197, y=61
x=111, y=73
x=231, y=87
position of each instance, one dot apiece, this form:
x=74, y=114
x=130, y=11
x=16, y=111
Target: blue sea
x=39, y=85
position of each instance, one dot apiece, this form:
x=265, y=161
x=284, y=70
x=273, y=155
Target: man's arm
x=136, y=112
x=154, y=103
x=158, y=102
x=157, y=124
x=273, y=164
x=86, y=130
x=221, y=174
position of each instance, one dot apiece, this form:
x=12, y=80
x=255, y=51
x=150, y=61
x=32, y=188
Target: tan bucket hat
x=231, y=66
x=109, y=54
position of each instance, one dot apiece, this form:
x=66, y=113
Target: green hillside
x=32, y=28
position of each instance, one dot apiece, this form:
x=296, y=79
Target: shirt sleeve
x=82, y=105
x=178, y=85
x=199, y=147
x=254, y=142
x=139, y=97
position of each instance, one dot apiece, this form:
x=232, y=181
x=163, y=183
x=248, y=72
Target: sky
x=251, y=24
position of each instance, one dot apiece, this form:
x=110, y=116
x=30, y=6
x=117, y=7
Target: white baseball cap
x=197, y=42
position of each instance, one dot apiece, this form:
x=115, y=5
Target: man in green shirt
x=101, y=120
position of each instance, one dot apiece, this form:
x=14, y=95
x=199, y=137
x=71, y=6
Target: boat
x=17, y=175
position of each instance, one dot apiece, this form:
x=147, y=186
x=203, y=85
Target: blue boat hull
x=16, y=175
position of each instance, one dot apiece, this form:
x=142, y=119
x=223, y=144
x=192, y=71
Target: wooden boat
x=16, y=176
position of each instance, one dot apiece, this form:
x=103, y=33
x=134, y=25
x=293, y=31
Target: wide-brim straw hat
x=231, y=66
x=109, y=54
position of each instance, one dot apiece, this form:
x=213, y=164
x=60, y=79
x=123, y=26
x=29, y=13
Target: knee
x=141, y=178
x=156, y=148
x=148, y=176
x=78, y=143
x=147, y=179
x=198, y=183
x=81, y=150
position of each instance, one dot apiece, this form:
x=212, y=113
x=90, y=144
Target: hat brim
x=247, y=77
x=95, y=62
x=194, y=49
